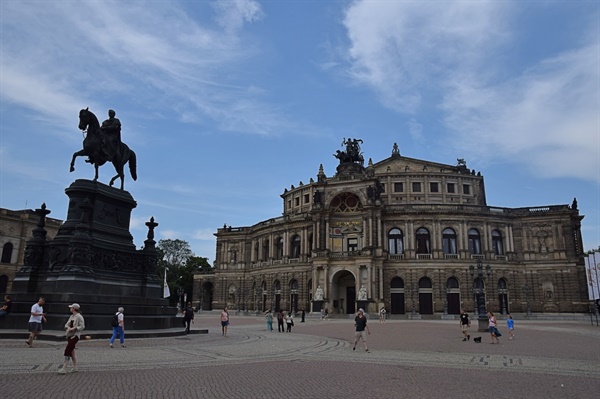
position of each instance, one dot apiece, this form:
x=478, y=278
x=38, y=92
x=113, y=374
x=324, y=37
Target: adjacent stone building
x=16, y=227
x=415, y=236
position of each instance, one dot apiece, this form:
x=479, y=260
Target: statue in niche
x=362, y=293
x=319, y=294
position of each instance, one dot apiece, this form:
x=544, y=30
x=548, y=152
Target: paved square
x=416, y=359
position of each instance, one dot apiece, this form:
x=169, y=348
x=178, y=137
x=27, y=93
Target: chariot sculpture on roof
x=352, y=153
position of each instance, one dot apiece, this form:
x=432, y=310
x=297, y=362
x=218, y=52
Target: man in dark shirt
x=360, y=322
x=465, y=323
x=280, y=318
x=5, y=309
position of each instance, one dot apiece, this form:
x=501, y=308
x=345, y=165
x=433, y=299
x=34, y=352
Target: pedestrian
x=323, y=314
x=5, y=309
x=360, y=322
x=494, y=333
x=119, y=328
x=224, y=321
x=382, y=313
x=74, y=326
x=303, y=315
x=289, y=320
x=280, y=317
x=269, y=317
x=465, y=323
x=510, y=323
x=188, y=317
x=35, y=320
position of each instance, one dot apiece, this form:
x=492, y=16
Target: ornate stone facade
x=413, y=233
x=16, y=227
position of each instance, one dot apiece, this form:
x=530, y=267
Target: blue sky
x=227, y=103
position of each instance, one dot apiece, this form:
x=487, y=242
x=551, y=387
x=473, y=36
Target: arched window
x=423, y=241
x=7, y=250
x=295, y=252
x=449, y=241
x=266, y=251
x=276, y=286
x=501, y=284
x=474, y=242
x=497, y=243
x=279, y=249
x=345, y=203
x=396, y=241
x=452, y=283
x=397, y=282
x=424, y=282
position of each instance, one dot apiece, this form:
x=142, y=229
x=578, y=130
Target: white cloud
x=232, y=14
x=204, y=234
x=421, y=58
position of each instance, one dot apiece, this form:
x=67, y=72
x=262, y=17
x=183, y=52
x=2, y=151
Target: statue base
x=93, y=261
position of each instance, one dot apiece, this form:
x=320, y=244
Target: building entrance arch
x=343, y=292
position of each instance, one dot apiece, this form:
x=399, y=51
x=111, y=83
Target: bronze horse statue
x=94, y=148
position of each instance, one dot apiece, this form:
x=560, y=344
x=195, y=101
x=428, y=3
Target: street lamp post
x=480, y=293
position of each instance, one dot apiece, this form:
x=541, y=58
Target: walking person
x=269, y=317
x=280, y=317
x=510, y=324
x=360, y=322
x=303, y=315
x=118, y=328
x=289, y=320
x=494, y=333
x=74, y=326
x=465, y=323
x=224, y=321
x=382, y=313
x=188, y=317
x=35, y=321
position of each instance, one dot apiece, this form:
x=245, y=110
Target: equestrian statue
x=103, y=144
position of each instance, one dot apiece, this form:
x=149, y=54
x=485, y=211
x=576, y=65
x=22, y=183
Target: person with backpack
x=188, y=317
x=118, y=325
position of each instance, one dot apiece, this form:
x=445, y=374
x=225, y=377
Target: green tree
x=173, y=258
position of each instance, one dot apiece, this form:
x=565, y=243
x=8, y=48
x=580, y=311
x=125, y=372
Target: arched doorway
x=453, y=296
x=206, y=296
x=397, y=296
x=343, y=292
x=425, y=296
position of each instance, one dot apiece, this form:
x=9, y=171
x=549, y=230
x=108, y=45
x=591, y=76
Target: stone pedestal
x=93, y=261
x=317, y=305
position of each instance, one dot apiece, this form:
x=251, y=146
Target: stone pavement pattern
x=417, y=359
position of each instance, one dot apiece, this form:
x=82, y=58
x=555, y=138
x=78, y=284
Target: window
x=466, y=189
x=310, y=245
x=279, y=249
x=266, y=251
x=297, y=201
x=449, y=241
x=398, y=187
x=416, y=187
x=352, y=244
x=474, y=242
x=497, y=243
x=395, y=241
x=423, y=241
x=295, y=246
x=256, y=247
x=452, y=283
x=434, y=187
x=450, y=188
x=306, y=198
x=7, y=250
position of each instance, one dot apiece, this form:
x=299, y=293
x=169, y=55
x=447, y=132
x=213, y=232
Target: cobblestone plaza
x=417, y=359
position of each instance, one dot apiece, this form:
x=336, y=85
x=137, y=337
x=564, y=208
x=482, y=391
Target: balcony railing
x=450, y=256
x=396, y=256
x=423, y=256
